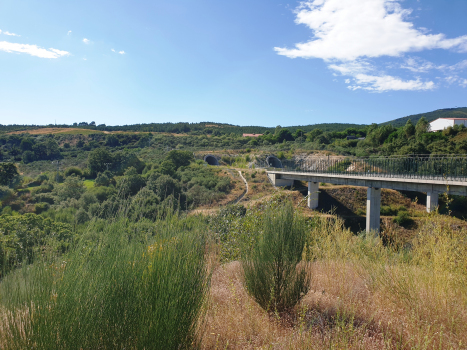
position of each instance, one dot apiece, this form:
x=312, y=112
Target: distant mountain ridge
x=460, y=112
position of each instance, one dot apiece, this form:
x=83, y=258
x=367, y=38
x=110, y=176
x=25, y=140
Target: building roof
x=252, y=135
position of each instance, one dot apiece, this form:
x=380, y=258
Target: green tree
x=409, y=129
x=180, y=158
x=130, y=183
x=72, y=187
x=26, y=144
x=310, y=137
x=421, y=127
x=97, y=160
x=9, y=175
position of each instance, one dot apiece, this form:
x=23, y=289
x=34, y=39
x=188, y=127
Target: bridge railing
x=430, y=167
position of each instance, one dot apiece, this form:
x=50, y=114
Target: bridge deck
x=396, y=182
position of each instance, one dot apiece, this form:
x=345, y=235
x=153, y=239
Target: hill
x=460, y=112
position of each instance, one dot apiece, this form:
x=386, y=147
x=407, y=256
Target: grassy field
x=89, y=184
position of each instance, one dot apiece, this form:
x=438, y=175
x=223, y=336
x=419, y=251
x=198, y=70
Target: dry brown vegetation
x=363, y=296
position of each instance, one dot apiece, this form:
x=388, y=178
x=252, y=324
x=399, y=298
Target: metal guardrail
x=423, y=167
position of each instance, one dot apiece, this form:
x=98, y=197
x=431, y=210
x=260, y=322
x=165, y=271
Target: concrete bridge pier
x=373, y=208
x=313, y=188
x=431, y=201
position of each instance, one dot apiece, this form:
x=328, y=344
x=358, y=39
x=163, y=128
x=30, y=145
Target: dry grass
x=44, y=131
x=363, y=296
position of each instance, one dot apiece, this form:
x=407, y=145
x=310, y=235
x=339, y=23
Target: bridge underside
x=432, y=187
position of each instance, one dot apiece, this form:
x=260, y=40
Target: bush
x=272, y=276
x=6, y=193
x=73, y=171
x=41, y=207
x=113, y=292
x=403, y=219
x=102, y=193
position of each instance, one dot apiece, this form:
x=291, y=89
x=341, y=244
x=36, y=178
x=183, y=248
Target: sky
x=261, y=62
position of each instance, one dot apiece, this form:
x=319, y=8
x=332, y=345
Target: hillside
x=460, y=112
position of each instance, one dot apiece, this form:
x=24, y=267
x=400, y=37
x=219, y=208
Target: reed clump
x=114, y=290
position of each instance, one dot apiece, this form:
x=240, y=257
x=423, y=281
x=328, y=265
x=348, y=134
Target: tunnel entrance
x=273, y=162
x=211, y=160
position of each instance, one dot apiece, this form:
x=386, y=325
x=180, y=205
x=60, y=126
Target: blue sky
x=239, y=62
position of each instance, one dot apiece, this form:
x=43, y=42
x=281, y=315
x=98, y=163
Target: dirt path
x=246, y=190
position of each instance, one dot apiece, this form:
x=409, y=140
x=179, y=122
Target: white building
x=444, y=123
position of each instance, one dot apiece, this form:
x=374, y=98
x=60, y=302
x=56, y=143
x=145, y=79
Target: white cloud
x=121, y=52
x=86, y=41
x=463, y=83
x=8, y=33
x=351, y=29
x=389, y=83
x=347, y=81
x=113, y=50
x=69, y=32
x=350, y=34
x=418, y=65
x=32, y=50
x=460, y=66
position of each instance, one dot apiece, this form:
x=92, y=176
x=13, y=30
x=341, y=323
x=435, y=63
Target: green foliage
x=409, y=129
x=98, y=160
x=23, y=238
x=116, y=290
x=102, y=193
x=72, y=187
x=130, y=183
x=9, y=175
x=180, y=158
x=6, y=193
x=104, y=179
x=73, y=171
x=145, y=204
x=403, y=219
x=272, y=274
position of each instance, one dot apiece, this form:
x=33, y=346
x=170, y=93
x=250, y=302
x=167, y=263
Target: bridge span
x=432, y=175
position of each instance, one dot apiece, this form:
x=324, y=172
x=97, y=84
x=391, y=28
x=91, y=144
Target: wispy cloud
x=350, y=34
x=86, y=41
x=32, y=50
x=120, y=52
x=8, y=33
x=69, y=32
x=388, y=83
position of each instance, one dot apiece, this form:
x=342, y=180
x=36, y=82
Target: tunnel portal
x=274, y=162
x=211, y=160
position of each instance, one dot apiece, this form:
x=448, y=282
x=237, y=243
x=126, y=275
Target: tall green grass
x=272, y=274
x=116, y=290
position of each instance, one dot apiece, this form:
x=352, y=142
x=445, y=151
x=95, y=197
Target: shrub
x=102, y=193
x=403, y=219
x=82, y=216
x=44, y=198
x=113, y=292
x=41, y=207
x=73, y=187
x=73, y=171
x=272, y=276
x=6, y=193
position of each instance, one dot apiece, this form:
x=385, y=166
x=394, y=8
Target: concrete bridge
x=432, y=175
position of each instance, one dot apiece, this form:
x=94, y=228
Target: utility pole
x=107, y=165
x=57, y=162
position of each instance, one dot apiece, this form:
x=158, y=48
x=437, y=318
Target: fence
x=427, y=167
